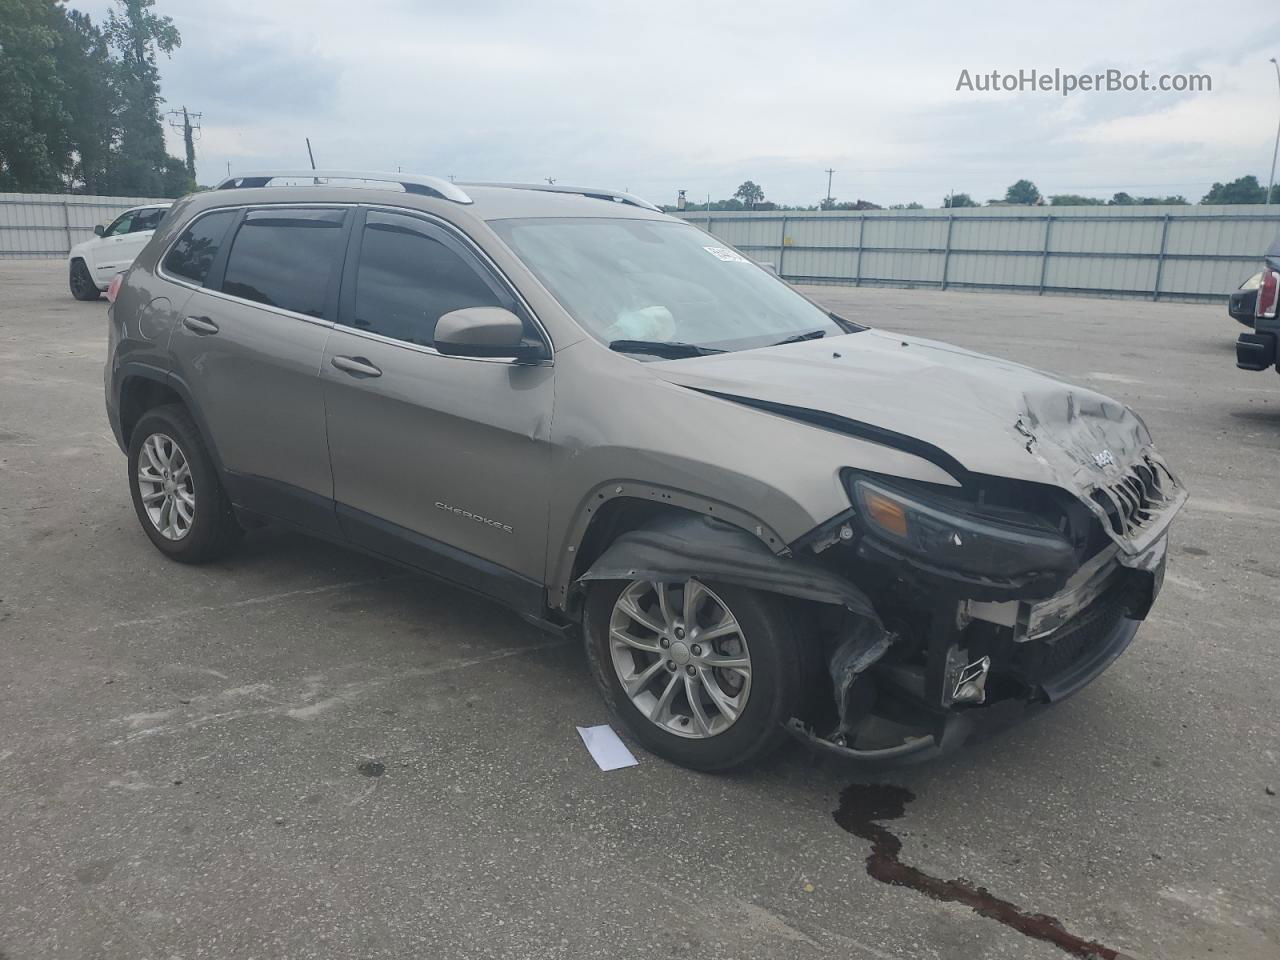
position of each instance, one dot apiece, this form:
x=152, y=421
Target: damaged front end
x=990, y=600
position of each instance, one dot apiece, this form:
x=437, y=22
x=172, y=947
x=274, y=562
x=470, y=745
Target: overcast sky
x=658, y=95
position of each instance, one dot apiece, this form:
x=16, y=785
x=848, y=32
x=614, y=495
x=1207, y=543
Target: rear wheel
x=176, y=491
x=702, y=674
x=82, y=284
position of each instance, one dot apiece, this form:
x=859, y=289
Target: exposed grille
x=1045, y=659
x=1132, y=502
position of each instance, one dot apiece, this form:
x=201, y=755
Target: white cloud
x=659, y=94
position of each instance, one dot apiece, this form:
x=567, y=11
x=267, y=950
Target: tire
x=199, y=524
x=775, y=686
x=81, y=281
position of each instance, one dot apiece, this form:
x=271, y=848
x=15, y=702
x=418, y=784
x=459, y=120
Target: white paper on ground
x=606, y=749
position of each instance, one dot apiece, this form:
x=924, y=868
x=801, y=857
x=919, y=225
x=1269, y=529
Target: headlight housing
x=946, y=534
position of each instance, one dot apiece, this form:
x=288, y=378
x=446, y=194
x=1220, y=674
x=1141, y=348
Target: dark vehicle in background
x=1244, y=301
x=1257, y=350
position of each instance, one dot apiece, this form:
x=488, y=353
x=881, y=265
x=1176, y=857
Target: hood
x=963, y=410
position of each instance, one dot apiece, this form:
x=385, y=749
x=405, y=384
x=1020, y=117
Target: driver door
x=111, y=253
x=441, y=462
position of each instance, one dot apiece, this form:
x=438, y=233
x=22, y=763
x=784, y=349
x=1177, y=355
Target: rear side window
x=194, y=253
x=406, y=279
x=145, y=220
x=284, y=258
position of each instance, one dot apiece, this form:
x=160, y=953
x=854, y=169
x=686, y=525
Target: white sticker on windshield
x=725, y=254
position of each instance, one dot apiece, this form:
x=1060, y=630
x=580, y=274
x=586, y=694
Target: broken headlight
x=976, y=540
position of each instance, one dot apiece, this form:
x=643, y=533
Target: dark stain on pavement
x=371, y=768
x=861, y=805
x=94, y=871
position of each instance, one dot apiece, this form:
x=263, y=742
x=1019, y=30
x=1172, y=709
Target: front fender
x=681, y=546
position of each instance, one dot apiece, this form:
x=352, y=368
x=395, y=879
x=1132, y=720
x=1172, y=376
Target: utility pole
x=190, y=127
x=1276, y=149
x=829, y=174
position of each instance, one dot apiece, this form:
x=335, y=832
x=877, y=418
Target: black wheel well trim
x=164, y=378
x=594, y=508
x=680, y=544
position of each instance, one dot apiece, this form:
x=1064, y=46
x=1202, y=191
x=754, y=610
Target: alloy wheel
x=681, y=656
x=165, y=485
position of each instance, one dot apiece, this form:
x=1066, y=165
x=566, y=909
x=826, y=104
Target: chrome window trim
x=432, y=351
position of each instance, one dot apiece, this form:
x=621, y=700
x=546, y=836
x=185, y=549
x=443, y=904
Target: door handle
x=357, y=366
x=201, y=325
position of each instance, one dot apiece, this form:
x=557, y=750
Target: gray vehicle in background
x=764, y=518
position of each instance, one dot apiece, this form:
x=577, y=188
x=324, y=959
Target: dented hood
x=982, y=414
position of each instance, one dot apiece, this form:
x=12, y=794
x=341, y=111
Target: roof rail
x=596, y=193
x=411, y=183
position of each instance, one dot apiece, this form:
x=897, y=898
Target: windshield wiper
x=667, y=349
x=811, y=335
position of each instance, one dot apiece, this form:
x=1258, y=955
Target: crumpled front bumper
x=961, y=727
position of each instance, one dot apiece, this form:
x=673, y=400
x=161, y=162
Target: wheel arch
x=144, y=388
x=617, y=507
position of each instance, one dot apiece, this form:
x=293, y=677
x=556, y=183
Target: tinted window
x=194, y=253
x=406, y=280
x=285, y=258
x=145, y=220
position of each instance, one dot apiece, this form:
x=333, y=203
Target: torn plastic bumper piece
x=956, y=728
x=678, y=547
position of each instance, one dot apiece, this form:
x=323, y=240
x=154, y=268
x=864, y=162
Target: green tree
x=1242, y=190
x=35, y=147
x=1074, y=200
x=1023, y=191
x=135, y=34
x=958, y=200
x=749, y=193
x=92, y=98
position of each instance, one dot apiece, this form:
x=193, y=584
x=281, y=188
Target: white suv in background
x=93, y=263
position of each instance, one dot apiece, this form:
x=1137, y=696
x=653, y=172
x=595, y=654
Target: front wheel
x=702, y=674
x=82, y=283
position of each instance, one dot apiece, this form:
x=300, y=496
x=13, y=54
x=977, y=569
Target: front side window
x=661, y=281
x=121, y=224
x=406, y=279
x=192, y=256
x=284, y=258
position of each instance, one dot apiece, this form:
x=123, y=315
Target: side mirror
x=485, y=332
x=99, y=229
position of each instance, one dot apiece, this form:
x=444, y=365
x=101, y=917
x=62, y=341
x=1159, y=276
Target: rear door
x=438, y=461
x=249, y=347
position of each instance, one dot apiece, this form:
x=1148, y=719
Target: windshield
x=659, y=282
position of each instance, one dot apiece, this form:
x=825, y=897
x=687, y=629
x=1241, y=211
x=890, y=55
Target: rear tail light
x=114, y=287
x=1268, y=294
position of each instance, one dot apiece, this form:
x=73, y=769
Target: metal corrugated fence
x=1158, y=253
x=36, y=225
